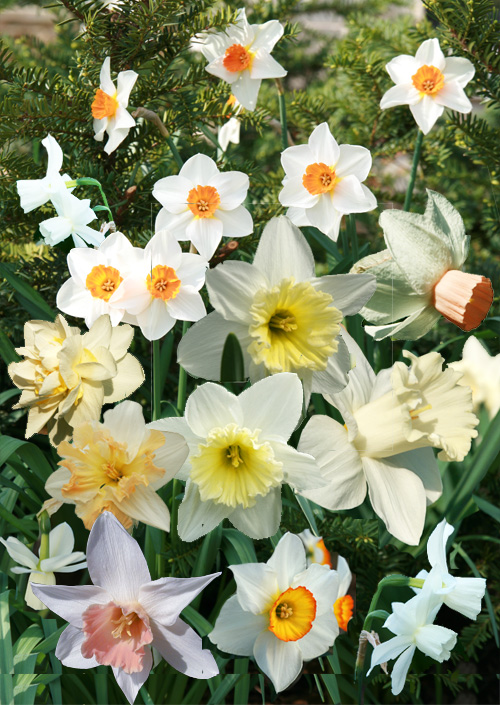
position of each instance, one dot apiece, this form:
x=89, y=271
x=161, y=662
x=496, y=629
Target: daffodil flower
x=481, y=372
x=117, y=620
x=392, y=422
x=420, y=277
x=281, y=613
x=241, y=55
x=109, y=108
x=429, y=82
x=73, y=218
x=323, y=182
x=239, y=457
x=60, y=559
x=35, y=192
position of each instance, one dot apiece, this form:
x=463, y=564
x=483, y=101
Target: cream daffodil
x=323, y=182
x=420, y=277
x=241, y=55
x=73, y=218
x=35, y=192
x=239, y=457
x=109, y=108
x=117, y=466
x=392, y=422
x=66, y=377
x=285, y=318
x=202, y=204
x=481, y=372
x=281, y=613
x=117, y=620
x=429, y=82
x=60, y=559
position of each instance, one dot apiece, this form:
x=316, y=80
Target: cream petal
x=273, y=405
x=129, y=377
x=236, y=629
x=283, y=252
x=197, y=518
x=280, y=660
x=146, y=506
x=263, y=519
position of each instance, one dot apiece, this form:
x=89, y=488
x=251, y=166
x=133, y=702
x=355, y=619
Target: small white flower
x=109, y=108
x=117, y=620
x=61, y=559
x=229, y=132
x=202, y=204
x=73, y=217
x=323, y=182
x=429, y=82
x=481, y=372
x=241, y=55
x=281, y=613
x=35, y=192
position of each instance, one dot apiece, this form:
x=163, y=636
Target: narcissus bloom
x=66, y=377
x=60, y=559
x=419, y=276
x=117, y=620
x=481, y=372
x=117, y=466
x=285, y=318
x=202, y=204
x=429, y=82
x=241, y=55
x=239, y=457
x=35, y=192
x=281, y=613
x=323, y=182
x=109, y=108
x=73, y=218
x=392, y=421
x=316, y=551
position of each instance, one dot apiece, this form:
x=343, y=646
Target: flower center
x=463, y=299
x=319, y=178
x=292, y=615
x=103, y=281
x=163, y=283
x=104, y=105
x=343, y=609
x=233, y=468
x=203, y=201
x=428, y=80
x=294, y=327
x=237, y=58
x=116, y=635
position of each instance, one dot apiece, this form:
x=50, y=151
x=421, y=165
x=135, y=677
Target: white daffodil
x=316, y=551
x=61, y=559
x=117, y=466
x=239, y=457
x=109, y=108
x=95, y=277
x=481, y=372
x=241, y=55
x=392, y=421
x=412, y=622
x=461, y=594
x=73, y=218
x=323, y=182
x=35, y=192
x=419, y=276
x=229, y=132
x=285, y=318
x=117, y=620
x=162, y=287
x=202, y=204
x=429, y=82
x=281, y=613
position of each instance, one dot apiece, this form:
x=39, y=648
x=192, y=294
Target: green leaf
x=8, y=355
x=28, y=297
x=6, y=655
x=487, y=507
x=232, y=367
x=49, y=627
x=228, y=683
x=237, y=547
x=8, y=394
x=28, y=452
x=194, y=618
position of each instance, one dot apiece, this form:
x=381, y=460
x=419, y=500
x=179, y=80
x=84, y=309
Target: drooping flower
x=95, y=277
x=481, y=372
x=109, y=108
x=239, y=457
x=230, y=130
x=323, y=182
x=412, y=623
x=61, y=559
x=392, y=422
x=429, y=82
x=73, y=218
x=117, y=466
x=202, y=204
x=117, y=620
x=35, y=192
x=281, y=613
x=66, y=377
x=241, y=55
x=162, y=287
x=419, y=276
x=285, y=318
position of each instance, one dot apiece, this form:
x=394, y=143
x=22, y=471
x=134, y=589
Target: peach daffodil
x=119, y=618
x=109, y=108
x=420, y=277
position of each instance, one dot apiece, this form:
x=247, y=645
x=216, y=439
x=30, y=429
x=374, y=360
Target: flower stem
x=181, y=393
x=413, y=174
x=44, y=524
x=284, y=126
x=88, y=181
x=353, y=236
x=156, y=380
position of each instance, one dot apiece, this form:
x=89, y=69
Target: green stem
x=353, y=236
x=156, y=381
x=87, y=181
x=175, y=151
x=44, y=524
x=181, y=394
x=284, y=126
x=413, y=174
x=174, y=536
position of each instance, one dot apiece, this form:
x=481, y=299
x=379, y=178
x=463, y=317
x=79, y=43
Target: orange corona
x=163, y=283
x=237, y=58
x=104, y=105
x=203, y=201
x=292, y=615
x=428, y=80
x=319, y=178
x=102, y=281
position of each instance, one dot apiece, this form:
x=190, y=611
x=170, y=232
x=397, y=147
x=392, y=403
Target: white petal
x=288, y=560
x=411, y=328
x=345, y=576
x=335, y=377
x=298, y=216
x=187, y=305
x=236, y=223
x=61, y=540
x=236, y=629
x=61, y=563
x=429, y=53
x=232, y=187
x=402, y=94
x=212, y=406
x=353, y=161
x=229, y=132
x=324, y=214
x=164, y=599
x=264, y=66
x=263, y=519
x=301, y=470
x=192, y=270
x=125, y=83
x=172, y=192
x=19, y=552
x=426, y=112
x=324, y=585
x=402, y=68
x=107, y=84
x=459, y=69
x=295, y=160
x=199, y=169
x=33, y=193
x=69, y=649
x=197, y=518
x=324, y=146
x=294, y=193
x=350, y=292
x=280, y=660
x=422, y=462
x=436, y=641
x=232, y=286
x=174, y=223
x=155, y=321
x=70, y=601
x=146, y=506
x=256, y=585
x=452, y=96
x=246, y=90
x=350, y=196
x=217, y=68
x=55, y=230
x=283, y=252
x=319, y=639
x=466, y=597
x=205, y=234
x=266, y=35
x=181, y=647
x=436, y=545
x=131, y=683
x=400, y=670
x=273, y=405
